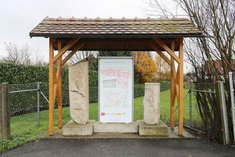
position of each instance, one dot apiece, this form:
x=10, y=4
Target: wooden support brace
x=167, y=49
x=160, y=53
x=64, y=49
x=75, y=49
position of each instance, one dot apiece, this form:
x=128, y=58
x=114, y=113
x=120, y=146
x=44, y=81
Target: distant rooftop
x=115, y=28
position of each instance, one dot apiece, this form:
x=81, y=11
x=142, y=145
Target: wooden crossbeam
x=51, y=87
x=167, y=49
x=64, y=49
x=154, y=47
x=75, y=49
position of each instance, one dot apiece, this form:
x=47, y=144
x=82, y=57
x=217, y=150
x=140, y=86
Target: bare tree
x=216, y=19
x=24, y=55
x=18, y=56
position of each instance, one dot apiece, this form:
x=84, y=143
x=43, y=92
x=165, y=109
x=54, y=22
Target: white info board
x=116, y=89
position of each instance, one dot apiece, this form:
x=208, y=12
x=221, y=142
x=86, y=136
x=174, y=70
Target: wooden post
x=181, y=88
x=51, y=87
x=172, y=92
x=4, y=112
x=59, y=87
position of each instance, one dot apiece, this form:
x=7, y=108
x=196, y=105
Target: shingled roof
x=115, y=28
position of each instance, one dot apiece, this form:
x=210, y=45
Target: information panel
x=116, y=89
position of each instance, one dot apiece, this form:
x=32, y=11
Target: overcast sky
x=19, y=17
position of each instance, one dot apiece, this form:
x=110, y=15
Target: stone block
x=152, y=103
x=74, y=129
x=116, y=127
x=79, y=92
x=160, y=129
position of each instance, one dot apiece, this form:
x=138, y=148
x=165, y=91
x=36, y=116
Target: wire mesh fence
x=200, y=95
x=208, y=111
x=24, y=99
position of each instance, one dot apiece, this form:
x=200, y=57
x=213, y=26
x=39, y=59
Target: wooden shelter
x=165, y=36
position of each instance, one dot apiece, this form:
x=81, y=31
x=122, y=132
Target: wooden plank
x=167, y=49
x=181, y=88
x=51, y=87
x=75, y=49
x=59, y=87
x=64, y=49
x=161, y=54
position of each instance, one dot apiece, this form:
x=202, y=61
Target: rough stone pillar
x=79, y=92
x=152, y=103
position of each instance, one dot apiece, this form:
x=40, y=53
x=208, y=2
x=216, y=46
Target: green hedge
x=20, y=77
x=21, y=74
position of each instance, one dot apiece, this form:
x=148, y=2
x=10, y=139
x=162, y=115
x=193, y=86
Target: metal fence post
x=38, y=104
x=224, y=114
x=232, y=101
x=190, y=104
x=4, y=111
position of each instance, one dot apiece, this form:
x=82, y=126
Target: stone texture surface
x=74, y=129
x=79, y=92
x=116, y=127
x=159, y=130
x=152, y=103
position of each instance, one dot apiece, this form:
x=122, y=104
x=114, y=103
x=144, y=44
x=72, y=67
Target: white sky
x=19, y=17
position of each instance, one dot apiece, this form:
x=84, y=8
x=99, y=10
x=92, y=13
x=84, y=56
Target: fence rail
x=32, y=94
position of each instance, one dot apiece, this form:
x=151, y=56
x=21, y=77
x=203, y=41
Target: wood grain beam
x=155, y=48
x=167, y=49
x=75, y=49
x=172, y=92
x=59, y=87
x=51, y=87
x=65, y=48
x=181, y=89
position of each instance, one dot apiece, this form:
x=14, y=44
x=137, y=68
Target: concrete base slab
x=74, y=129
x=160, y=129
x=115, y=127
x=185, y=133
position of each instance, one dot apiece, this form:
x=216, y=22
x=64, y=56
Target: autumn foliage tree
x=145, y=66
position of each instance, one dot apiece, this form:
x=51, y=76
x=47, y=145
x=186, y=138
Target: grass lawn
x=24, y=128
